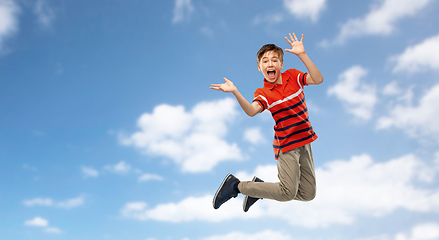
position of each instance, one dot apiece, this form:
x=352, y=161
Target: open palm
x=296, y=45
x=228, y=86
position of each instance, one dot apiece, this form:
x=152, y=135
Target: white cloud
x=48, y=202
x=182, y=10
x=373, y=189
x=149, y=177
x=254, y=135
x=424, y=231
x=53, y=230
x=119, y=168
x=380, y=20
x=264, y=235
x=358, y=98
x=301, y=9
x=41, y=222
x=71, y=203
x=422, y=56
x=8, y=21
x=38, y=202
x=37, y=222
x=305, y=8
x=194, y=139
x=44, y=13
x=189, y=209
x=391, y=89
x=89, y=172
x=417, y=121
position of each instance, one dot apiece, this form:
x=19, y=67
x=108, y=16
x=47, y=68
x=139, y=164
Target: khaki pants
x=296, y=175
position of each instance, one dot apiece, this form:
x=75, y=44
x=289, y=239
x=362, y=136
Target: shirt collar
x=268, y=85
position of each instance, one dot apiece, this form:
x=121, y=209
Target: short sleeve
x=304, y=79
x=261, y=99
x=297, y=76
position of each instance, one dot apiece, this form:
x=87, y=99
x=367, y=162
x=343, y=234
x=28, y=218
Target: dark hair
x=270, y=47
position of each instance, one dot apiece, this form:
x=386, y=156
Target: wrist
x=234, y=90
x=302, y=55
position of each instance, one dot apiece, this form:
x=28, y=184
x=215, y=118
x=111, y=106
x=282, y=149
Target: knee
x=309, y=195
x=289, y=197
x=288, y=194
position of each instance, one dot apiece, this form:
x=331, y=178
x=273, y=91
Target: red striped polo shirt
x=287, y=105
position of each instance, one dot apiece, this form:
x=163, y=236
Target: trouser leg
x=307, y=186
x=296, y=178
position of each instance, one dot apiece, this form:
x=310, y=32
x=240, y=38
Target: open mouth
x=271, y=73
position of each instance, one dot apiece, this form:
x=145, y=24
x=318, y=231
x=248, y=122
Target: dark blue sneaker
x=226, y=191
x=249, y=201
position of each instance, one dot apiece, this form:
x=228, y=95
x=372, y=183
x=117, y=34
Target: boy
x=283, y=96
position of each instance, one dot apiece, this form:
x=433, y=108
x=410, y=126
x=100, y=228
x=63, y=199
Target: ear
x=259, y=68
x=281, y=65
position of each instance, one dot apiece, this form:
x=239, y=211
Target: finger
x=291, y=36
x=302, y=38
x=218, y=88
x=295, y=38
x=288, y=40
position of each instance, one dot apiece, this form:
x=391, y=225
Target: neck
x=279, y=80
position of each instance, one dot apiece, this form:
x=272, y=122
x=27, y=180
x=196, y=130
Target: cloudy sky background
x=108, y=129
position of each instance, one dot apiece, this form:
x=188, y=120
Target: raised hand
x=296, y=45
x=228, y=86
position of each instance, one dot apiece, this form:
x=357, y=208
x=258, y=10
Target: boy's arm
x=314, y=76
x=250, y=109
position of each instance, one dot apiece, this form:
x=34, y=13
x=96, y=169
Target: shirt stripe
x=293, y=142
x=291, y=126
x=285, y=99
x=294, y=133
x=295, y=115
x=288, y=108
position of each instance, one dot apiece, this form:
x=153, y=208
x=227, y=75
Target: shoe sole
x=246, y=197
x=217, y=191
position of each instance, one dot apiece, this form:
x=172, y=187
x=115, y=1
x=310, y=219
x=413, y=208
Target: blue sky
x=108, y=128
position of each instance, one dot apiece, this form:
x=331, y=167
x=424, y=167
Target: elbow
x=318, y=81
x=252, y=113
x=253, y=110
x=314, y=81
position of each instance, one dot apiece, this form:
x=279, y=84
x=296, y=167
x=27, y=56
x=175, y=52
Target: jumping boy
x=283, y=96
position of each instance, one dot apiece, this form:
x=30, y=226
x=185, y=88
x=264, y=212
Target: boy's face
x=270, y=65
